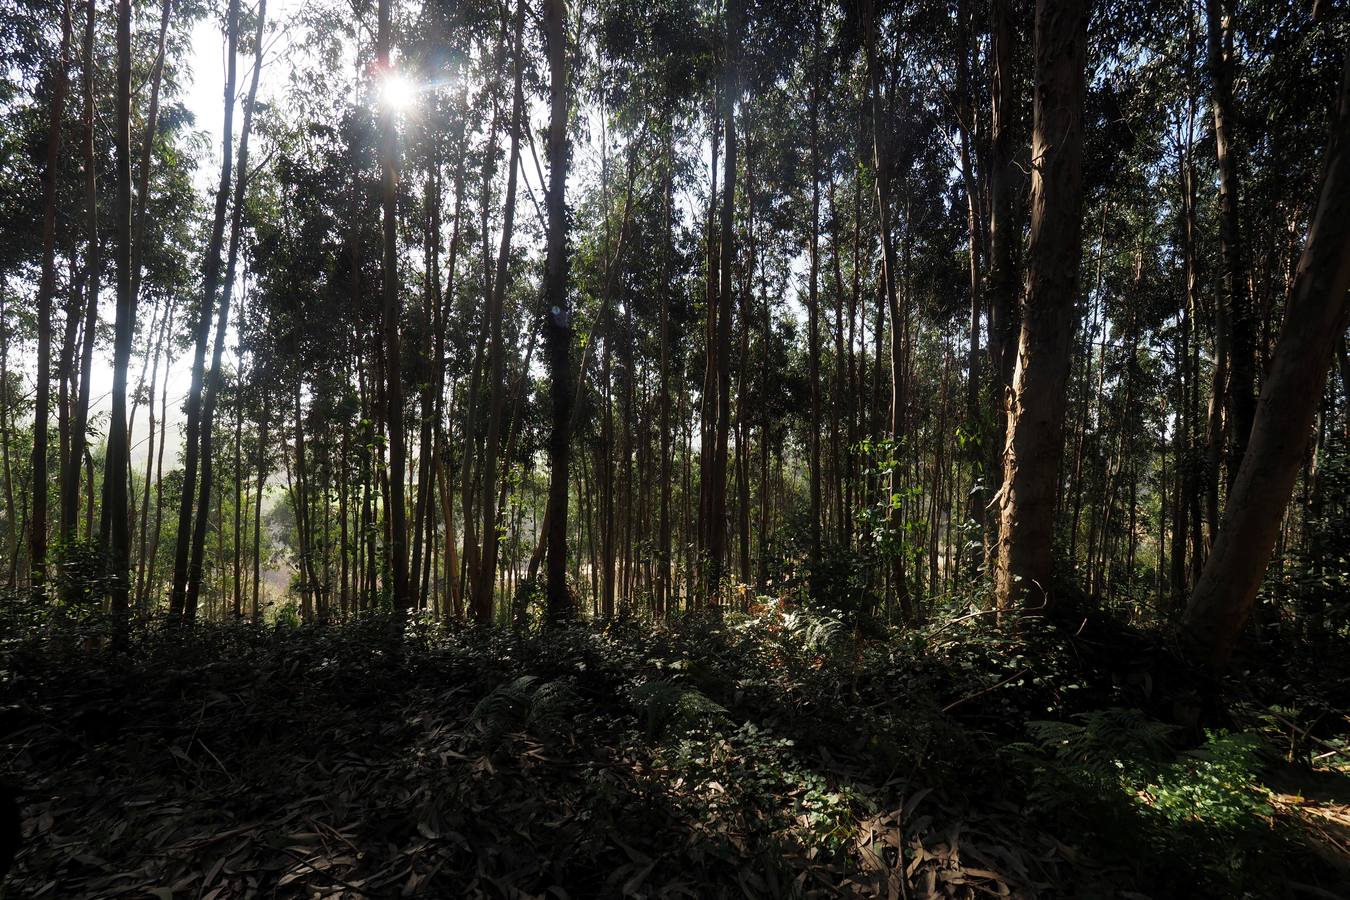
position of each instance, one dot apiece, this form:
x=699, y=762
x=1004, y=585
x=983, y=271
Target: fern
x=550, y=709
x=671, y=706
x=1106, y=742
x=522, y=704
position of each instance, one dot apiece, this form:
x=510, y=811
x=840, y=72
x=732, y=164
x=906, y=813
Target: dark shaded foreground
x=772, y=755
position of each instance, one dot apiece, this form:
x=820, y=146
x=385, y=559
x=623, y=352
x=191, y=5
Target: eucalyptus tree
x=1036, y=413
x=557, y=310
x=178, y=599
x=59, y=77
x=1314, y=322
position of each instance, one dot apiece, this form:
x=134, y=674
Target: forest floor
x=773, y=755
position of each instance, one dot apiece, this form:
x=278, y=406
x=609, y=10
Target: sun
x=398, y=92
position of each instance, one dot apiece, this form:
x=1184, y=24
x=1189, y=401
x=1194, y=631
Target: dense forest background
x=976, y=366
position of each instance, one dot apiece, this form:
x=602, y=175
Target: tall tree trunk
x=469, y=465
x=11, y=511
x=152, y=568
x=717, y=495
x=202, y=329
x=881, y=170
x=1241, y=387
x=392, y=306
x=117, y=465
x=70, y=477
x=261, y=465
x=1035, y=438
x=1186, y=508
x=663, y=548
x=239, y=497
x=557, y=312
x=165, y=328
x=1314, y=321
x=147, y=150
x=214, y=382
x=481, y=601
x=37, y=534
x=743, y=402
x=966, y=127
x=707, y=418
x=840, y=455
x=1004, y=237
x=813, y=299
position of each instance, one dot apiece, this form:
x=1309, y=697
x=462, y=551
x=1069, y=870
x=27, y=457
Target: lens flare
x=398, y=92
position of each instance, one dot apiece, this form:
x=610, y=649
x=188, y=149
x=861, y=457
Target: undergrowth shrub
x=1115, y=775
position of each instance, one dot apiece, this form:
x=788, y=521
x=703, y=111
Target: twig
x=951, y=706
x=217, y=759
x=313, y=870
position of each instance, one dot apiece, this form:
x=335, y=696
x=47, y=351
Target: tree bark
x=202, y=329
x=37, y=534
x=117, y=465
x=881, y=169
x=1004, y=236
x=1241, y=385
x=557, y=311
x=480, y=603
x=813, y=300
x=1035, y=439
x=70, y=494
x=165, y=328
x=392, y=307
x=1315, y=320
x=214, y=382
x=717, y=494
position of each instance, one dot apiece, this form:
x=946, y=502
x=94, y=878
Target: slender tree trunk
x=37, y=534
x=165, y=328
x=1241, y=387
x=481, y=602
x=707, y=396
x=214, y=381
x=1035, y=439
x=261, y=465
x=239, y=465
x=813, y=300
x=202, y=329
x=965, y=115
x=663, y=550
x=1186, y=508
x=843, y=354
x=743, y=402
x=717, y=495
x=147, y=151
x=557, y=312
x=11, y=511
x=152, y=569
x=1314, y=322
x=881, y=171
x=392, y=307
x=117, y=465
x=1004, y=236
x=65, y=378
x=70, y=479
x=469, y=465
